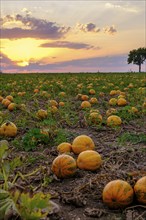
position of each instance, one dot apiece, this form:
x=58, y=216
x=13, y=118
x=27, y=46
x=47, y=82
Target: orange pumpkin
x=133, y=110
x=92, y=92
x=130, y=85
x=121, y=102
x=9, y=97
x=62, y=94
x=19, y=94
x=36, y=90
x=114, y=120
x=42, y=114
x=84, y=97
x=93, y=100
x=61, y=104
x=6, y=102
x=64, y=166
x=9, y=129
x=53, y=103
x=95, y=117
x=89, y=160
x=78, y=96
x=112, y=101
x=85, y=104
x=140, y=190
x=113, y=92
x=53, y=109
x=11, y=106
x=121, y=96
x=82, y=143
x=101, y=94
x=117, y=194
x=64, y=147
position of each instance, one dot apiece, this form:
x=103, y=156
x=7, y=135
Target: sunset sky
x=70, y=36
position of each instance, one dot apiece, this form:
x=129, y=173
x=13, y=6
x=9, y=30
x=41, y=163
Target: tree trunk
x=139, y=67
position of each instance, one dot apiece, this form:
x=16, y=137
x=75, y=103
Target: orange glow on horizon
x=28, y=50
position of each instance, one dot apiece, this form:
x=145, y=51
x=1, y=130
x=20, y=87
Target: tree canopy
x=137, y=56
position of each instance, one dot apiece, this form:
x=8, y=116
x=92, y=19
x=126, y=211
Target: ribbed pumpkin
x=121, y=102
x=9, y=129
x=64, y=147
x=95, y=117
x=85, y=104
x=92, y=92
x=84, y=97
x=53, y=103
x=9, y=97
x=114, y=120
x=82, y=143
x=117, y=194
x=89, y=160
x=113, y=92
x=112, y=101
x=61, y=104
x=6, y=102
x=133, y=110
x=140, y=190
x=64, y=166
x=93, y=100
x=11, y=106
x=42, y=114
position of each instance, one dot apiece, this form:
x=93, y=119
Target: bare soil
x=80, y=197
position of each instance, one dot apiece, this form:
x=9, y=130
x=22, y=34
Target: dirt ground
x=80, y=197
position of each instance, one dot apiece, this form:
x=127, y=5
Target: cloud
x=7, y=18
x=25, y=10
x=95, y=64
x=110, y=30
x=124, y=6
x=26, y=26
x=89, y=27
x=70, y=45
x=6, y=62
x=33, y=28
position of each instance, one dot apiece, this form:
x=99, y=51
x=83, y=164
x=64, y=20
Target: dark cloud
x=5, y=62
x=67, y=44
x=33, y=27
x=110, y=30
x=43, y=29
x=89, y=27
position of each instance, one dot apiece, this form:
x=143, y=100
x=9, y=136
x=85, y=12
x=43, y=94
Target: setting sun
x=23, y=50
x=23, y=63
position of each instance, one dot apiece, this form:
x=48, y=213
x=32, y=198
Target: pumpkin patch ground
x=35, y=145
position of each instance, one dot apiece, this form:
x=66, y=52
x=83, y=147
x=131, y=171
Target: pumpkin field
x=73, y=146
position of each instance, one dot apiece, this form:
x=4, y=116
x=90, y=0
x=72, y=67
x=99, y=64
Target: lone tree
x=137, y=56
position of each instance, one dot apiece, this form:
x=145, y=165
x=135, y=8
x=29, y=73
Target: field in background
x=123, y=148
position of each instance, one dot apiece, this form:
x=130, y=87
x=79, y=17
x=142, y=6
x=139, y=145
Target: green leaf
x=6, y=167
x=16, y=162
x=3, y=149
x=7, y=205
x=34, y=207
x=3, y=194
